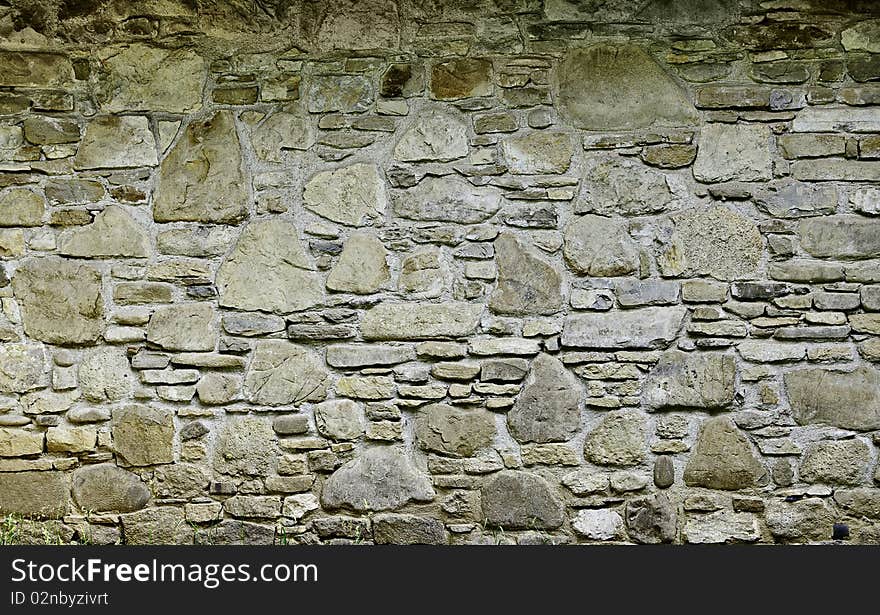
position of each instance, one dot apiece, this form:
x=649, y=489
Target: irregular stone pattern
x=446, y=272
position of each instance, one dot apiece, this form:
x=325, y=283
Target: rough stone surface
x=682, y=381
x=717, y=241
x=618, y=440
x=454, y=431
x=723, y=458
x=115, y=142
x=282, y=373
x=527, y=284
x=837, y=463
x=733, y=152
x=61, y=300
x=642, y=328
x=201, y=178
x=381, y=271
x=113, y=233
x=362, y=267
x=185, y=326
x=352, y=195
x=521, y=500
x=600, y=89
x=37, y=494
x=438, y=134
x=599, y=246
x=447, y=199
x=850, y=400
x=381, y=478
x=143, y=435
x=547, y=409
x=105, y=487
x=268, y=270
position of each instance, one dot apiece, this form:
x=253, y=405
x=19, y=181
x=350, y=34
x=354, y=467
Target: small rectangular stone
x=812, y=333
x=504, y=345
x=363, y=355
x=811, y=145
x=837, y=169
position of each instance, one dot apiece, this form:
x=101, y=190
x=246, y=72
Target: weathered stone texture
x=444, y=272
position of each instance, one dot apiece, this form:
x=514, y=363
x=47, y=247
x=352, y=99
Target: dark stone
x=664, y=472
x=779, y=35
x=864, y=68
x=395, y=79
x=396, y=529
x=232, y=532
x=193, y=430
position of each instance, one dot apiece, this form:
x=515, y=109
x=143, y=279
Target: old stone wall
x=442, y=271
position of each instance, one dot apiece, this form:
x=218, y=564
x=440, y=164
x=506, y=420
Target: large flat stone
x=447, y=199
x=34, y=494
x=113, y=142
x=201, y=178
x=40, y=70
x=733, y=152
x=143, y=435
x=527, y=284
x=840, y=237
x=521, y=500
x=143, y=78
x=602, y=88
x=690, y=381
x=105, y=487
x=353, y=195
x=641, y=328
x=548, y=407
x=380, y=478
x=61, y=300
x=268, y=270
x=849, y=400
x=723, y=458
x=282, y=373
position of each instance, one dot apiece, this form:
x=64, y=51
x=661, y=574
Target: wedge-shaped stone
x=60, y=300
x=527, y=284
x=268, y=270
x=112, y=142
x=362, y=267
x=723, y=458
x=642, y=328
x=379, y=478
x=849, y=400
x=548, y=408
x=352, y=195
x=447, y=199
x=602, y=88
x=282, y=373
x=682, y=381
x=201, y=178
x=113, y=233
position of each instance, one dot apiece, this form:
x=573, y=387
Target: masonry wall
x=503, y=271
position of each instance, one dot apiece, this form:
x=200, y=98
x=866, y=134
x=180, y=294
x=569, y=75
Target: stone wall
x=508, y=271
